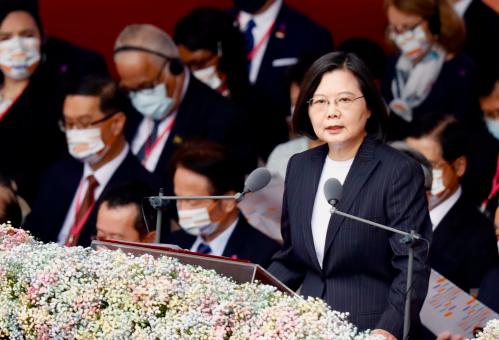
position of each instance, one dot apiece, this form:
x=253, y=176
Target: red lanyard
x=263, y=40
x=78, y=225
x=149, y=148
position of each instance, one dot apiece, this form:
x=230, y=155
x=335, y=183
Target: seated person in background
x=463, y=247
x=489, y=103
x=482, y=29
x=10, y=211
x=93, y=122
x=213, y=48
x=34, y=70
x=278, y=159
x=429, y=74
x=120, y=214
x=277, y=36
x=214, y=227
x=174, y=105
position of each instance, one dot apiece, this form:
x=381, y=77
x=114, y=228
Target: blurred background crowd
x=102, y=104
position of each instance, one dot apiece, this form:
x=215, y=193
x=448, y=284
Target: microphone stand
x=409, y=239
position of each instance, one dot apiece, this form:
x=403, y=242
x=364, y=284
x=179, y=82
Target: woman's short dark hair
x=340, y=61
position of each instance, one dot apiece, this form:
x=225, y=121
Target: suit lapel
x=277, y=40
x=310, y=183
x=362, y=168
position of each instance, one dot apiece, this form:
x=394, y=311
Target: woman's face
x=338, y=110
x=20, y=42
x=409, y=32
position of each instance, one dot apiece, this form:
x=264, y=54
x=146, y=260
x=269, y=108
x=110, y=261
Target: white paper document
x=449, y=308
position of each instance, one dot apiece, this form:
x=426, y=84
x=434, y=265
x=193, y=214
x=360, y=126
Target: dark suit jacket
x=203, y=113
x=482, y=28
x=293, y=36
x=364, y=269
x=30, y=138
x=464, y=246
x=489, y=288
x=246, y=243
x=58, y=187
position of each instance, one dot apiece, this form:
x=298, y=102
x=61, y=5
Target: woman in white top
x=355, y=268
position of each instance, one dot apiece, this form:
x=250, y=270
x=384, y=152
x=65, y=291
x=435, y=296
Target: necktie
x=141, y=155
x=83, y=211
x=248, y=35
x=250, y=40
x=203, y=248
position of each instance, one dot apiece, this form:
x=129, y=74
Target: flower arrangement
x=491, y=331
x=48, y=291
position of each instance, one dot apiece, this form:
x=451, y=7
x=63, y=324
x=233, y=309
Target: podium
x=241, y=271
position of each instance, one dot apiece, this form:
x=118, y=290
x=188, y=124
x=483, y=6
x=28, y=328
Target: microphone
x=257, y=180
x=333, y=190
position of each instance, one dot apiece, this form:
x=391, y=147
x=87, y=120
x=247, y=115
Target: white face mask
x=196, y=221
x=493, y=127
x=412, y=43
x=19, y=57
x=85, y=144
x=437, y=185
x=209, y=76
x=153, y=103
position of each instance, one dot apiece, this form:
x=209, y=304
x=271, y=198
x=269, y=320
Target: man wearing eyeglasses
x=94, y=120
x=174, y=106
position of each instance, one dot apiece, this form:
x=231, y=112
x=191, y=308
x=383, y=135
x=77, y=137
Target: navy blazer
x=293, y=36
x=246, y=242
x=58, y=187
x=364, y=269
x=464, y=246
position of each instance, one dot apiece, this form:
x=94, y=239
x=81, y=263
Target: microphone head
x=333, y=191
x=257, y=180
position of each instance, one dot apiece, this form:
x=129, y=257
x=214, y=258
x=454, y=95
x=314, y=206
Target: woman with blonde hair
x=430, y=74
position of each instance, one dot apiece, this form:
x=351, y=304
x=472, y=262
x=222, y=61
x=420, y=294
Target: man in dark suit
x=277, y=37
x=464, y=246
x=175, y=106
x=482, y=29
x=93, y=121
x=214, y=227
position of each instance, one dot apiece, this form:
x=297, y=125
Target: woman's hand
x=382, y=332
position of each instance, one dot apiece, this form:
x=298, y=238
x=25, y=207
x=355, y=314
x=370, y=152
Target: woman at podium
x=354, y=267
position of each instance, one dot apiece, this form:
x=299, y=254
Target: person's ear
x=150, y=237
x=460, y=165
x=118, y=124
x=229, y=206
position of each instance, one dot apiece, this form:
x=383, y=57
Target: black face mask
x=249, y=6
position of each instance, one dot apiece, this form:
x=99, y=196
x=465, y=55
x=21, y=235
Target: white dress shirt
x=219, y=243
x=322, y=209
x=145, y=129
x=438, y=213
x=264, y=22
x=102, y=175
x=461, y=6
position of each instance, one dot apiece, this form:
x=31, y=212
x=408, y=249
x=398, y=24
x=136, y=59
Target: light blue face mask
x=153, y=103
x=493, y=127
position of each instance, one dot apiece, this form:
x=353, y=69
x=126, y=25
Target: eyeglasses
x=394, y=30
x=321, y=104
x=149, y=85
x=64, y=125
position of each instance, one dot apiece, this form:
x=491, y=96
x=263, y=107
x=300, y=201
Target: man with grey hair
x=174, y=105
